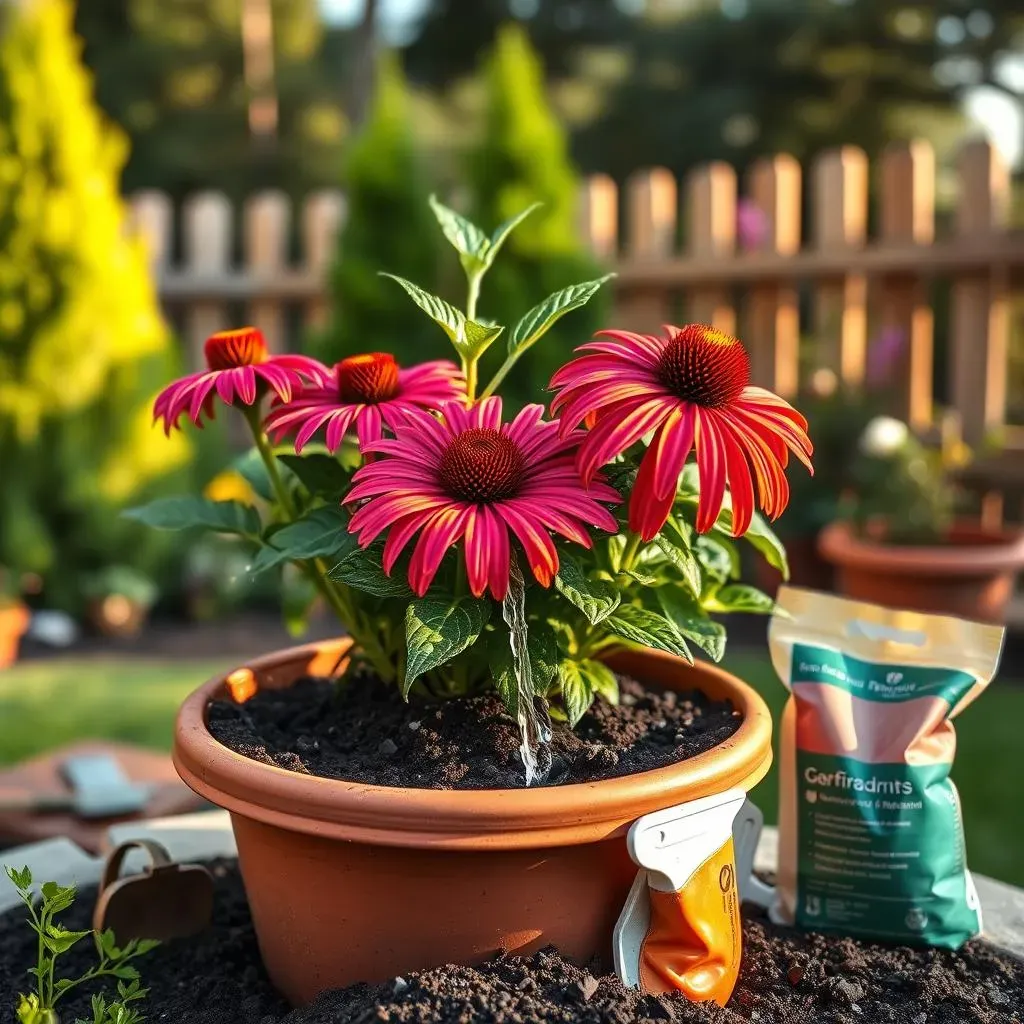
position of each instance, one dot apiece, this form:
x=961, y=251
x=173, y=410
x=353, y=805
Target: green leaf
x=577, y=694
x=739, y=597
x=318, y=534
x=322, y=475
x=643, y=578
x=542, y=647
x=21, y=879
x=718, y=557
x=684, y=560
x=601, y=679
x=362, y=569
x=761, y=536
x=597, y=599
x=505, y=229
x=470, y=242
x=108, y=944
x=479, y=337
x=125, y=971
x=691, y=622
x=251, y=467
x=647, y=629
x=451, y=320
x=59, y=940
x=436, y=631
x=542, y=317
x=57, y=897
x=190, y=513
x=146, y=946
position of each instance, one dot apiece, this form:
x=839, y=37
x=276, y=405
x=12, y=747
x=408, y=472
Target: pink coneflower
x=239, y=371
x=467, y=476
x=364, y=391
x=690, y=389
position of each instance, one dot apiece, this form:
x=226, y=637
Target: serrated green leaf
x=188, y=513
x=57, y=898
x=469, y=241
x=739, y=597
x=718, y=557
x=436, y=631
x=251, y=468
x=597, y=599
x=318, y=534
x=146, y=946
x=20, y=879
x=479, y=337
x=647, y=629
x=505, y=229
x=451, y=320
x=577, y=694
x=684, y=560
x=601, y=679
x=542, y=317
x=542, y=646
x=322, y=475
x=645, y=579
x=125, y=971
x=760, y=536
x=59, y=940
x=692, y=622
x=362, y=569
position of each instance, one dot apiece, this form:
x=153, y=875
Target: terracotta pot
x=971, y=576
x=349, y=882
x=806, y=567
x=14, y=619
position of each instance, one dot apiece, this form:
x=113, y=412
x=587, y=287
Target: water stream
x=534, y=724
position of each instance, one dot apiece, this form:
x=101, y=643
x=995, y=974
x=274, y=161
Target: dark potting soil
x=787, y=977
x=365, y=732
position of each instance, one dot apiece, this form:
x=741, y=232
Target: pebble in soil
x=364, y=731
x=787, y=976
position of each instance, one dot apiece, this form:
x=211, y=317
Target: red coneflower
x=465, y=475
x=365, y=391
x=691, y=388
x=239, y=370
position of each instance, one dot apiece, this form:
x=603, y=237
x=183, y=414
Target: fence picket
x=711, y=195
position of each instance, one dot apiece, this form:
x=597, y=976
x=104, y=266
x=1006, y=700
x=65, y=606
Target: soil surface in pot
x=365, y=732
x=787, y=976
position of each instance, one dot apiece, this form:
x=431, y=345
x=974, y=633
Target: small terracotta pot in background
x=14, y=620
x=972, y=575
x=349, y=882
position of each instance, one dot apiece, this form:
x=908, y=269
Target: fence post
x=711, y=198
x=773, y=334
x=599, y=217
x=267, y=220
x=322, y=218
x=908, y=218
x=979, y=322
x=840, y=223
x=651, y=228
x=207, y=250
x=151, y=216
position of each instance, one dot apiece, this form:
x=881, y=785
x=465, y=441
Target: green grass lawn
x=46, y=704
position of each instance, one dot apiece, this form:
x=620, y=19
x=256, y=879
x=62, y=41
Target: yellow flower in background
x=230, y=486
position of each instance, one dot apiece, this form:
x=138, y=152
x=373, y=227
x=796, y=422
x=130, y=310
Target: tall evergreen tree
x=522, y=158
x=389, y=227
x=82, y=345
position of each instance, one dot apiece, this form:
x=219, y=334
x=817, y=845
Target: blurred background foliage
x=493, y=104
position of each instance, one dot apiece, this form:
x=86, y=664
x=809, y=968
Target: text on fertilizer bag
x=877, y=681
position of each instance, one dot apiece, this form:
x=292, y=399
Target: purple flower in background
x=752, y=227
x=884, y=352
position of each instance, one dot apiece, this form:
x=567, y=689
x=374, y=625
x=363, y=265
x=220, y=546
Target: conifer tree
x=82, y=345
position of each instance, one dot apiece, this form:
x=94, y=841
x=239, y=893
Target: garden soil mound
x=365, y=732
x=787, y=977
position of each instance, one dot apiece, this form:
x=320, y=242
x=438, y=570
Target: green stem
x=502, y=373
x=469, y=362
x=472, y=296
x=629, y=555
x=469, y=368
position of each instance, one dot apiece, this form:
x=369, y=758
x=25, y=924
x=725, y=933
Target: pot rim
x=1003, y=552
x=480, y=819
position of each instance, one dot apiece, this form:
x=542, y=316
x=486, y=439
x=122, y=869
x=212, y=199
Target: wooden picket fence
x=678, y=255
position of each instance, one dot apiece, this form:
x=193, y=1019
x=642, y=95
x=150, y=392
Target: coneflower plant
x=465, y=546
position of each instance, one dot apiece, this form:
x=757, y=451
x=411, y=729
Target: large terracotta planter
x=350, y=882
x=14, y=619
x=971, y=576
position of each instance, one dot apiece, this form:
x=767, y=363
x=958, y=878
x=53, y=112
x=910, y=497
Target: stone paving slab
x=207, y=835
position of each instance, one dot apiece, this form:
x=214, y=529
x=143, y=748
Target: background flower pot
x=972, y=575
x=14, y=619
x=350, y=882
x=806, y=567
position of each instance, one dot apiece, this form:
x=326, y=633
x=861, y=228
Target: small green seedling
x=38, y=1007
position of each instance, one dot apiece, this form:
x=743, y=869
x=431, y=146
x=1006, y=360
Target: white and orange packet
x=871, y=838
x=680, y=928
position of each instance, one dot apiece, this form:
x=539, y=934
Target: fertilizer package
x=871, y=839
